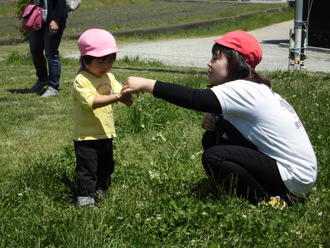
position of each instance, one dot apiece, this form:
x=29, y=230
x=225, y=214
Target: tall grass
x=160, y=196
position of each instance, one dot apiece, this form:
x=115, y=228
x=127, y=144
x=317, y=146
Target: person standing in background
x=44, y=45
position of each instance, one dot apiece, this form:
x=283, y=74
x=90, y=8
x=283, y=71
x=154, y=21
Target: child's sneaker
x=38, y=86
x=83, y=201
x=50, y=92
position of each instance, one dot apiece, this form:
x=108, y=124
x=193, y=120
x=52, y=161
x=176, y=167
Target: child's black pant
x=95, y=165
x=242, y=170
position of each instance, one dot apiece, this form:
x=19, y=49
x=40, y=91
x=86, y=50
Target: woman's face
x=218, y=69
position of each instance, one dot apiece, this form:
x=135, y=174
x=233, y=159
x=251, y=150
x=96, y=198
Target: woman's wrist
x=148, y=85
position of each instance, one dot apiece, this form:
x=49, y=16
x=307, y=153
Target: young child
x=94, y=91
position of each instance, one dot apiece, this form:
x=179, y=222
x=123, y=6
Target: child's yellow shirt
x=89, y=123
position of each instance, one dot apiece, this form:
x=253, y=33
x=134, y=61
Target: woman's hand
x=53, y=27
x=135, y=84
x=208, y=122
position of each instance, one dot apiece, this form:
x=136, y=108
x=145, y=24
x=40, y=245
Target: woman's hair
x=87, y=59
x=238, y=68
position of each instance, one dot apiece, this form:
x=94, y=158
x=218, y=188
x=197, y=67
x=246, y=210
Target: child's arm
x=101, y=101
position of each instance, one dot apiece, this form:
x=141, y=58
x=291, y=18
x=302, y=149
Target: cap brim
x=103, y=52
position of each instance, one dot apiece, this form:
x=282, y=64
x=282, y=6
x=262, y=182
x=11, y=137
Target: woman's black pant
x=241, y=170
x=95, y=165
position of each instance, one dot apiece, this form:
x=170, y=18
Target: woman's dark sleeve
x=203, y=100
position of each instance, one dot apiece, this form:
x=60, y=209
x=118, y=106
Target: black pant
x=94, y=165
x=242, y=170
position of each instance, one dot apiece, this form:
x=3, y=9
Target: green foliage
x=160, y=196
x=127, y=15
x=20, y=6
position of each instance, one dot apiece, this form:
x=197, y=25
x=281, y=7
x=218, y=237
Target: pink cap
x=97, y=43
x=245, y=44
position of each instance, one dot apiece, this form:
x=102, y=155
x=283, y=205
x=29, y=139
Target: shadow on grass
x=71, y=186
x=275, y=42
x=26, y=91
x=205, y=189
x=20, y=91
x=161, y=70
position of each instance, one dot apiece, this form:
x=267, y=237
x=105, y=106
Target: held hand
x=126, y=99
x=208, y=122
x=135, y=84
x=53, y=27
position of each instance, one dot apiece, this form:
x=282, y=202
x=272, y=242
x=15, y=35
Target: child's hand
x=126, y=98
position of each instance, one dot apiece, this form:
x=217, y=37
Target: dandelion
x=192, y=157
x=277, y=203
x=142, y=126
x=138, y=216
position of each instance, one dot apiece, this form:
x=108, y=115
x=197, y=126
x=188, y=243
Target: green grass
x=243, y=23
x=124, y=16
x=159, y=196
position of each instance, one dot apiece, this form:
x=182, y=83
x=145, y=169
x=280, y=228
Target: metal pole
x=298, y=27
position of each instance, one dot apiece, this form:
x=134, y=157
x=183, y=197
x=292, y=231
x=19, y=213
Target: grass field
x=124, y=16
x=160, y=196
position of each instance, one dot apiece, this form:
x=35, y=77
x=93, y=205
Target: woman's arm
x=203, y=100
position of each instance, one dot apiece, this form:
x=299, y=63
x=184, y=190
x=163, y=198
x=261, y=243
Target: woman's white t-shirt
x=272, y=125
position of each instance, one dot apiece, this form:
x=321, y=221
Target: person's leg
x=86, y=168
x=52, y=43
x=255, y=175
x=106, y=166
x=36, y=43
x=209, y=139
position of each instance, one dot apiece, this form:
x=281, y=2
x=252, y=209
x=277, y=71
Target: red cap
x=245, y=44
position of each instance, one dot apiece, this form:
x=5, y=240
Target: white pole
x=298, y=27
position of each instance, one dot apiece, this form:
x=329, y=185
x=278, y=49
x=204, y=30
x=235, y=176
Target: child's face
x=218, y=69
x=99, y=67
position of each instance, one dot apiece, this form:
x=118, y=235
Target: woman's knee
x=212, y=159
